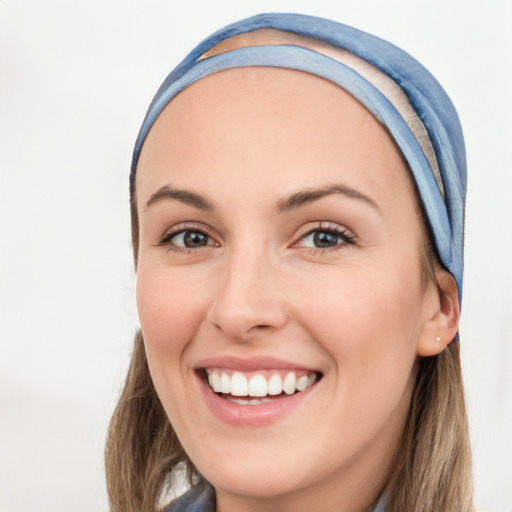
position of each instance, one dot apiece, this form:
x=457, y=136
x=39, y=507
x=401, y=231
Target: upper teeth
x=257, y=385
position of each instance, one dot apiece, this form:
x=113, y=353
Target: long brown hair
x=433, y=469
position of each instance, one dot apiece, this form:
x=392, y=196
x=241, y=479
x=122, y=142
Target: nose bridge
x=247, y=297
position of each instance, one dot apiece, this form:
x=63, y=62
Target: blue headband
x=445, y=215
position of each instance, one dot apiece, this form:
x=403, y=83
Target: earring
x=438, y=338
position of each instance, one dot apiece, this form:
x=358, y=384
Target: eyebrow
x=293, y=202
x=184, y=196
x=314, y=194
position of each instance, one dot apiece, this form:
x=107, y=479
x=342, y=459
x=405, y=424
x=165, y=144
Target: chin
x=256, y=482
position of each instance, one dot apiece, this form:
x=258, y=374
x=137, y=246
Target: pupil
x=194, y=239
x=325, y=239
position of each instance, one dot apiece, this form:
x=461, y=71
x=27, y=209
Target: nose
x=248, y=299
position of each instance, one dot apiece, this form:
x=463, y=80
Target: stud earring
x=438, y=338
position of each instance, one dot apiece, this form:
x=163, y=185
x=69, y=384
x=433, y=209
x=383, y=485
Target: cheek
x=169, y=312
x=368, y=319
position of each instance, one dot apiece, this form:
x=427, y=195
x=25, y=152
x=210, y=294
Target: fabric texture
x=201, y=498
x=445, y=215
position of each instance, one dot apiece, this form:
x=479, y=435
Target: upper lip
x=251, y=364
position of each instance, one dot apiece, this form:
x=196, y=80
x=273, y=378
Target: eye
x=183, y=239
x=190, y=239
x=321, y=239
x=326, y=238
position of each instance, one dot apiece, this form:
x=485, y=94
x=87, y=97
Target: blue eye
x=326, y=238
x=190, y=239
x=322, y=239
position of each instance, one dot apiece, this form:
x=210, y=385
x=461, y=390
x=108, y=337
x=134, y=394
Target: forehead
x=244, y=110
x=258, y=102
x=290, y=124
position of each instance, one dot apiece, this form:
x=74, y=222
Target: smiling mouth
x=255, y=388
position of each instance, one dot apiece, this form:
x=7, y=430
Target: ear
x=442, y=315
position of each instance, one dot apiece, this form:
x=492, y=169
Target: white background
x=75, y=80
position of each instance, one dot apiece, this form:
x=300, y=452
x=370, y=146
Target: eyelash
x=348, y=238
x=165, y=240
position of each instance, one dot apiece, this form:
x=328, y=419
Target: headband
x=437, y=161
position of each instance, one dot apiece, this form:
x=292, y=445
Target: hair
x=431, y=470
x=143, y=456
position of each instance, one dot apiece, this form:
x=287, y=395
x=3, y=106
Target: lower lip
x=252, y=415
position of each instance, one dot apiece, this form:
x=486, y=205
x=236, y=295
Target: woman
x=297, y=196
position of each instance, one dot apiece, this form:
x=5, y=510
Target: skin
x=245, y=141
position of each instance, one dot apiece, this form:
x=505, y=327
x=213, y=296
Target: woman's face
x=280, y=238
